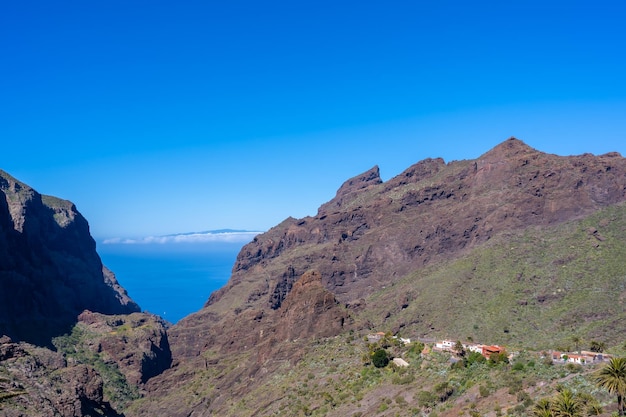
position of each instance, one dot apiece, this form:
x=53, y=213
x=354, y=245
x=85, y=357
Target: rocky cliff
x=373, y=232
x=49, y=269
x=371, y=251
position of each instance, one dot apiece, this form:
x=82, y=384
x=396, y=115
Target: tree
x=380, y=359
x=543, y=408
x=612, y=377
x=566, y=404
x=576, y=340
x=459, y=349
x=596, y=346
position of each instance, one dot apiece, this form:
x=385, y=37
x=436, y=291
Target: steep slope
x=373, y=248
x=364, y=239
x=49, y=269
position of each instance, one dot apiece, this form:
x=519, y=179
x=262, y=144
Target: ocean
x=170, y=280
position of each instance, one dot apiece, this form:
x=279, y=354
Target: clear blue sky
x=159, y=117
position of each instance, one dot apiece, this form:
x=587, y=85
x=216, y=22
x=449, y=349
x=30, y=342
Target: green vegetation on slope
x=75, y=346
x=334, y=378
x=535, y=289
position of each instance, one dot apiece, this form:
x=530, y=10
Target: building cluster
x=583, y=357
x=485, y=350
x=375, y=337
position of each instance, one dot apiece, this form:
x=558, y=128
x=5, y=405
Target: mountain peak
x=510, y=148
x=351, y=187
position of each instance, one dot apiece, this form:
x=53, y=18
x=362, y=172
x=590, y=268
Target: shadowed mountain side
x=49, y=269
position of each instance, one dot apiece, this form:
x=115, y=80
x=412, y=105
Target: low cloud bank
x=200, y=237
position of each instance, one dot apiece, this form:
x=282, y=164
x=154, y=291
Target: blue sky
x=159, y=117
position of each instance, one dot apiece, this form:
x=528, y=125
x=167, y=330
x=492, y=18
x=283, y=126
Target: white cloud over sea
x=239, y=236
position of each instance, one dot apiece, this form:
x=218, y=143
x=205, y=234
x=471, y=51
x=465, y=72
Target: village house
x=400, y=362
x=375, y=337
x=445, y=345
x=448, y=345
x=579, y=359
x=403, y=340
x=474, y=347
x=488, y=350
x=582, y=358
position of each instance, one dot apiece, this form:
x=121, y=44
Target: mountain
x=517, y=247
x=49, y=269
x=72, y=343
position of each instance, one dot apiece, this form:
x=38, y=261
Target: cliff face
x=49, y=269
x=371, y=233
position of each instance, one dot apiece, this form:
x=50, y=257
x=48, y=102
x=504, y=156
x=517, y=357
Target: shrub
x=496, y=358
x=444, y=390
x=574, y=367
x=474, y=357
x=380, y=359
x=426, y=399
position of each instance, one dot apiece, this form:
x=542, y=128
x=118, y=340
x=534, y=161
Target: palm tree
x=576, y=340
x=612, y=377
x=543, y=408
x=566, y=404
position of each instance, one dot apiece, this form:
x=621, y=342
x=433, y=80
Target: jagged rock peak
x=349, y=188
x=510, y=148
x=369, y=177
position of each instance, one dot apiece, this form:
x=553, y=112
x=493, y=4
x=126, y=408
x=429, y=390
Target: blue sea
x=170, y=280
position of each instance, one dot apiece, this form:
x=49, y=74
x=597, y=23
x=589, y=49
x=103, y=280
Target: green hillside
x=535, y=289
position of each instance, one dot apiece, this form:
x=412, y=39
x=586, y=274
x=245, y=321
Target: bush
x=426, y=399
x=444, y=390
x=380, y=359
x=474, y=357
x=496, y=358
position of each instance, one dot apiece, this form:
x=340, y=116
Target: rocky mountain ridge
x=373, y=236
x=498, y=248
x=374, y=232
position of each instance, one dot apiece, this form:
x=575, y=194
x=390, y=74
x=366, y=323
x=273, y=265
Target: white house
x=445, y=345
x=400, y=362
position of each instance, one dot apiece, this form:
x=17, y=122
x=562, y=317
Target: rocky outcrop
x=310, y=310
x=38, y=382
x=49, y=269
x=246, y=351
x=136, y=343
x=350, y=189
